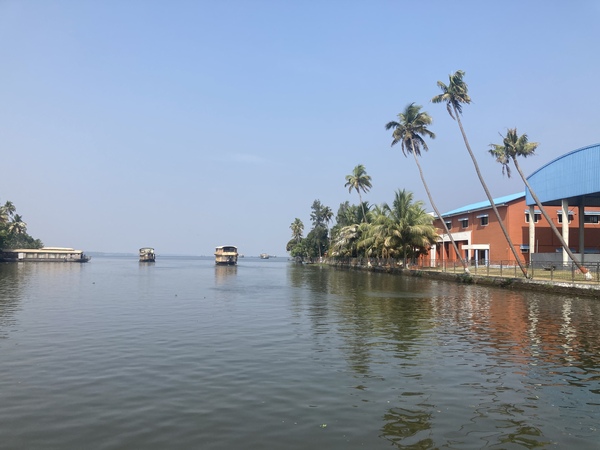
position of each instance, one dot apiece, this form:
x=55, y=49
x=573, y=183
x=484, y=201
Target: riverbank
x=505, y=282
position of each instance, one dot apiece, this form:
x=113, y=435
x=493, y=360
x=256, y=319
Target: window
x=524, y=248
x=449, y=224
x=464, y=222
x=560, y=217
x=536, y=217
x=483, y=220
x=591, y=218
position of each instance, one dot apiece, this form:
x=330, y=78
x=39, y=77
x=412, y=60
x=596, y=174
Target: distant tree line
x=13, y=230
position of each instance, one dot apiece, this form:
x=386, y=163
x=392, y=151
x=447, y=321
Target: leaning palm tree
x=512, y=147
x=409, y=132
x=360, y=181
x=454, y=95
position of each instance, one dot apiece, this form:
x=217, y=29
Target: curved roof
x=574, y=176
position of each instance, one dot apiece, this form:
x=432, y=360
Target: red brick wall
x=513, y=216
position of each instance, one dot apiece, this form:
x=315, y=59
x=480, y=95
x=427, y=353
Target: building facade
x=480, y=239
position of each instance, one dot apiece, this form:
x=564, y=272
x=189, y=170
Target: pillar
x=565, y=229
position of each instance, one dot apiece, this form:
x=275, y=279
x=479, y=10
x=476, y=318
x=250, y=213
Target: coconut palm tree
x=512, y=147
x=327, y=216
x=409, y=131
x=4, y=212
x=297, y=228
x=402, y=227
x=360, y=181
x=454, y=95
x=17, y=226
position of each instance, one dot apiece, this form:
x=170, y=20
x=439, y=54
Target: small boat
x=226, y=255
x=147, y=254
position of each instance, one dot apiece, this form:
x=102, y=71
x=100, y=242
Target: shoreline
x=555, y=287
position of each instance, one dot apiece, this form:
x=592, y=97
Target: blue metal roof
x=572, y=176
x=484, y=205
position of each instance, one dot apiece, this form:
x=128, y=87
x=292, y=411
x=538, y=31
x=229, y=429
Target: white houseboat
x=45, y=254
x=226, y=255
x=147, y=254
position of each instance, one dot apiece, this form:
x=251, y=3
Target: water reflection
x=263, y=355
x=478, y=362
x=223, y=273
x=11, y=277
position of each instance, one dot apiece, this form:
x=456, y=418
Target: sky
x=184, y=125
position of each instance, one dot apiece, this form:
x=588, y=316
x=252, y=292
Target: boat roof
x=42, y=250
x=225, y=246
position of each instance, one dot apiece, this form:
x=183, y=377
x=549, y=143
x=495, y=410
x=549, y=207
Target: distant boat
x=44, y=254
x=226, y=255
x=147, y=254
x=264, y=256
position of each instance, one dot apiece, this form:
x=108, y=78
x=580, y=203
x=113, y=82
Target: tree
x=404, y=228
x=13, y=230
x=409, y=131
x=17, y=226
x=7, y=211
x=344, y=243
x=360, y=181
x=317, y=216
x=327, y=216
x=297, y=228
x=317, y=239
x=316, y=242
x=512, y=147
x=454, y=95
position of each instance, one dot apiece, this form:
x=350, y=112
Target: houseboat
x=226, y=255
x=147, y=254
x=44, y=254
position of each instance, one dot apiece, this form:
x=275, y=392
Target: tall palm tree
x=512, y=147
x=409, y=131
x=297, y=228
x=327, y=216
x=454, y=95
x=360, y=181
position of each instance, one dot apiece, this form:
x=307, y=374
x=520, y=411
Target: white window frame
x=483, y=218
x=570, y=215
x=537, y=216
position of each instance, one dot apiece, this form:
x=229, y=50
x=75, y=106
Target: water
x=181, y=354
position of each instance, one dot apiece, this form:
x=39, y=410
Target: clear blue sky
x=184, y=125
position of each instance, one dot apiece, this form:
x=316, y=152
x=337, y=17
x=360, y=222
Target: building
x=568, y=187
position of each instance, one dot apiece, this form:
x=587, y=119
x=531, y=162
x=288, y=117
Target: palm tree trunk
x=362, y=206
x=489, y=196
x=462, y=261
x=558, y=234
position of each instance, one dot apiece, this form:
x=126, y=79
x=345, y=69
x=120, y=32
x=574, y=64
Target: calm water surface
x=181, y=354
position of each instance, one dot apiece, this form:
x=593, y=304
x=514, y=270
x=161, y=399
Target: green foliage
x=13, y=230
x=359, y=181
